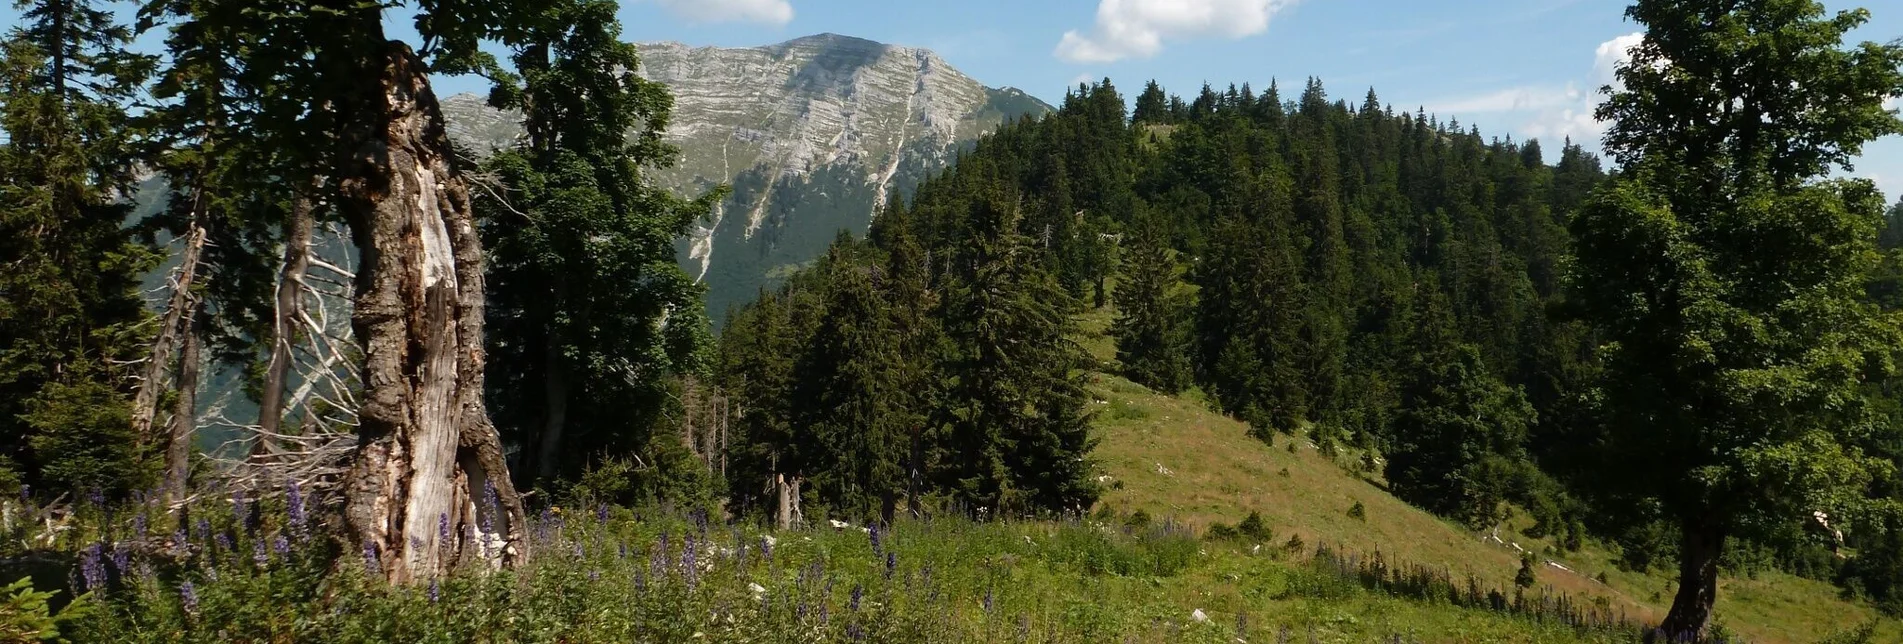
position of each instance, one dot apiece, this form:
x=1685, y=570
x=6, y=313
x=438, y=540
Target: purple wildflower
x=494, y=502
x=891, y=564
x=294, y=502
x=178, y=540
x=601, y=513
x=766, y=548
x=138, y=526
x=122, y=560
x=872, y=532
x=594, y=574
x=224, y=541
x=371, y=565
x=623, y=551
x=282, y=545
x=96, y=496
x=688, y=555
x=989, y=600
x=259, y=555
x=435, y=593
x=90, y=568
x=188, y=596
x=858, y=593
x=856, y=632
x=202, y=529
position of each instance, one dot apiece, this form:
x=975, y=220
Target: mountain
x=811, y=133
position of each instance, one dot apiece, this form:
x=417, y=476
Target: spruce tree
x=1151, y=327
x=70, y=311
x=1016, y=434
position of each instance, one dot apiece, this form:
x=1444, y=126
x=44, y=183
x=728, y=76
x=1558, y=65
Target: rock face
x=812, y=134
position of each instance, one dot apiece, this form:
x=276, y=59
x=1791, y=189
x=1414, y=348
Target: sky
x=1524, y=68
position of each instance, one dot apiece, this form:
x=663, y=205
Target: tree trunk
x=178, y=450
x=1701, y=544
x=284, y=324
x=174, y=325
x=428, y=486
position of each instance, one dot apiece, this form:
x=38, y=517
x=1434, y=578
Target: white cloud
x=771, y=12
x=1137, y=28
x=1552, y=112
x=1611, y=54
x=1083, y=78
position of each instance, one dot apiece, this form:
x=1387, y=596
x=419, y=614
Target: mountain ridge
x=812, y=133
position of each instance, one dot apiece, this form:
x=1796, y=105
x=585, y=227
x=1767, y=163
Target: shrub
x=1525, y=578
x=1220, y=531
x=1358, y=511
x=1137, y=520
x=1254, y=528
x=1294, y=544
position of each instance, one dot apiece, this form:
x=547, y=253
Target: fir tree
x=1151, y=325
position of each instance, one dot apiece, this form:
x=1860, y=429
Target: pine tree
x=592, y=314
x=1151, y=325
x=70, y=311
x=1152, y=106
x=1016, y=432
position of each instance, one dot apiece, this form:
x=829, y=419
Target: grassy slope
x=1175, y=458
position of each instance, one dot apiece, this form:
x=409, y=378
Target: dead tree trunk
x=178, y=448
x=286, y=320
x=427, y=453
x=176, y=324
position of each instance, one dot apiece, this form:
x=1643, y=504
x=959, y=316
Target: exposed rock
x=812, y=134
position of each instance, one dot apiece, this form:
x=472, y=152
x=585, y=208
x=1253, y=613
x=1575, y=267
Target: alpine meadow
x=826, y=340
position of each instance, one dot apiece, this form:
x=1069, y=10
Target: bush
x=1220, y=531
x=1525, y=578
x=1358, y=511
x=1137, y=520
x=1255, y=528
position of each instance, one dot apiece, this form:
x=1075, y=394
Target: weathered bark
x=178, y=450
x=285, y=322
x=1701, y=544
x=175, y=324
x=427, y=453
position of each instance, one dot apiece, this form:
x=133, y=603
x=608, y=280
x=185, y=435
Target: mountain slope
x=1172, y=457
x=811, y=133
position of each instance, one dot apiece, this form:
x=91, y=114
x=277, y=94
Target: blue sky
x=1526, y=68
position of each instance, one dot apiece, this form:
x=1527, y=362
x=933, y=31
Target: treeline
x=1362, y=277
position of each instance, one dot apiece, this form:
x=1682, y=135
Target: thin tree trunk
x=175, y=324
x=428, y=485
x=1701, y=544
x=284, y=325
x=178, y=450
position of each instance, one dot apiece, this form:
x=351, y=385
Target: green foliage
x=1150, y=329
x=25, y=615
x=1358, y=511
x=70, y=310
x=589, y=315
x=1525, y=577
x=1460, y=436
x=1253, y=527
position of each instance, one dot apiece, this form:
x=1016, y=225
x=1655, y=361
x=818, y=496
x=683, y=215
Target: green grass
x=1171, y=456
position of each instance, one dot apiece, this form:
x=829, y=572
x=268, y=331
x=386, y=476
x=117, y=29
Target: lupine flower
x=178, y=539
x=493, y=500
x=224, y=541
x=282, y=545
x=688, y=556
x=442, y=529
x=294, y=502
x=122, y=560
x=202, y=529
x=188, y=596
x=601, y=513
x=622, y=553
x=858, y=593
x=370, y=563
x=240, y=511
x=90, y=569
x=434, y=592
x=96, y=496
x=259, y=555
x=855, y=632
x=891, y=564
x=138, y=526
x=766, y=548
x=988, y=600
x=872, y=532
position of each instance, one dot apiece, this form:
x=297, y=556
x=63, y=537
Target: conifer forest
x=285, y=357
